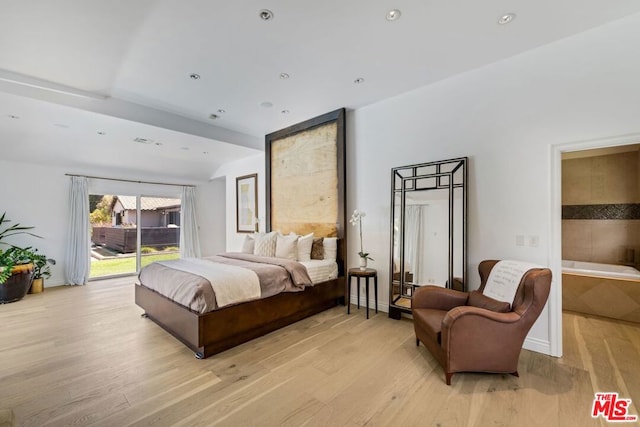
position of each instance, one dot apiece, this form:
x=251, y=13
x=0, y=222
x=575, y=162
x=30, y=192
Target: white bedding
x=231, y=284
x=321, y=270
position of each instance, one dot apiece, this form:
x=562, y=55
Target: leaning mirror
x=428, y=229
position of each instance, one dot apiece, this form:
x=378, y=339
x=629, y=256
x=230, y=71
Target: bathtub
x=601, y=289
x=600, y=270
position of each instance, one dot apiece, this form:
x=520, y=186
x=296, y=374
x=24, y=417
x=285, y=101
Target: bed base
x=216, y=331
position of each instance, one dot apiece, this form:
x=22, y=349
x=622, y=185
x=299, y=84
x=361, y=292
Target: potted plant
x=16, y=269
x=41, y=270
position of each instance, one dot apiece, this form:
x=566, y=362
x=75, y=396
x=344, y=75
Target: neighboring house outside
x=154, y=211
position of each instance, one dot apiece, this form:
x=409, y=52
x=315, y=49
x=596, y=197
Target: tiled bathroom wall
x=601, y=208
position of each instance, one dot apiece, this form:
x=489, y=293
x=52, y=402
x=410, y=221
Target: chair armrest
x=435, y=297
x=460, y=312
x=476, y=339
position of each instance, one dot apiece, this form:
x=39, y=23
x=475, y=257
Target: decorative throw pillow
x=248, y=244
x=265, y=244
x=477, y=299
x=287, y=246
x=304, y=247
x=317, y=249
x=330, y=248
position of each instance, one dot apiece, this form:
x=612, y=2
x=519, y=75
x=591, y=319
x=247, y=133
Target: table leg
x=358, y=284
x=349, y=294
x=367, y=292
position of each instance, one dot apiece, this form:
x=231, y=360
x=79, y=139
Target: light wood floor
x=84, y=356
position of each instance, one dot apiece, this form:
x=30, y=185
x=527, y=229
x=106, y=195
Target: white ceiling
x=137, y=56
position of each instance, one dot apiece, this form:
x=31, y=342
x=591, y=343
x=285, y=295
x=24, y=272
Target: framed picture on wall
x=247, y=203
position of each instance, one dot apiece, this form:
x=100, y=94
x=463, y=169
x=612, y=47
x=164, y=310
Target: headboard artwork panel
x=305, y=182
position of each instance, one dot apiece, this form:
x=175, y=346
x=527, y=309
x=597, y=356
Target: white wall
x=211, y=213
x=229, y=172
x=35, y=195
x=504, y=117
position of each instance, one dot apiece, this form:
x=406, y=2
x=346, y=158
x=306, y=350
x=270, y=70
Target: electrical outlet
x=534, y=241
x=519, y=240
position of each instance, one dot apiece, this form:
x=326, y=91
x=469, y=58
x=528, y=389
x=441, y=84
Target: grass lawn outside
x=112, y=266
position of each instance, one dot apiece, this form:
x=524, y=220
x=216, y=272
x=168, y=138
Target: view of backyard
x=116, y=227
x=121, y=265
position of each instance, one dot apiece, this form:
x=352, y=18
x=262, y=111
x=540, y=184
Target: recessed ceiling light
x=101, y=132
x=359, y=80
x=143, y=140
x=393, y=15
x=213, y=116
x=205, y=152
x=284, y=76
x=285, y=111
x=506, y=18
x=266, y=104
x=158, y=143
x=11, y=116
x=184, y=148
x=221, y=110
x=194, y=76
x=265, y=15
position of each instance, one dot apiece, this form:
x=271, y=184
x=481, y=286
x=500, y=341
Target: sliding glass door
x=129, y=232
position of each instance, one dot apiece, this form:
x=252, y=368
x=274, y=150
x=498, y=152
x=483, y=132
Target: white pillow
x=304, y=247
x=248, y=244
x=287, y=246
x=265, y=244
x=330, y=248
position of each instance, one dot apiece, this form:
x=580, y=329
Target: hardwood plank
x=84, y=356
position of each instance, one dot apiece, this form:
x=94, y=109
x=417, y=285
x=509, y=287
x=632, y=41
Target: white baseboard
x=537, y=345
x=382, y=306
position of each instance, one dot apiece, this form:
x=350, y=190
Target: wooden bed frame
x=213, y=332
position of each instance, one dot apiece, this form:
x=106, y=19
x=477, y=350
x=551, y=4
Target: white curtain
x=78, y=257
x=189, y=240
x=413, y=240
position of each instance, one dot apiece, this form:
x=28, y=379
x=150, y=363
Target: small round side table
x=358, y=273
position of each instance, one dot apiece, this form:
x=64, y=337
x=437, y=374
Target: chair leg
x=448, y=376
x=417, y=342
x=515, y=374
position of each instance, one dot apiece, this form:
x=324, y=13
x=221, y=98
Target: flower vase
x=363, y=263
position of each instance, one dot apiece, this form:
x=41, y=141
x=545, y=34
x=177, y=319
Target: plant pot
x=37, y=286
x=363, y=263
x=17, y=285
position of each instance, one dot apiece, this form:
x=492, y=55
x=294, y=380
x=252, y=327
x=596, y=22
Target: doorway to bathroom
x=600, y=224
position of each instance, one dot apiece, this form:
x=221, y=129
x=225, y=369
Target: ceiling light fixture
x=359, y=80
x=194, y=76
x=285, y=111
x=221, y=110
x=22, y=80
x=284, y=76
x=158, y=143
x=101, y=132
x=506, y=18
x=393, y=15
x=266, y=104
x=184, y=148
x=213, y=116
x=142, y=140
x=265, y=15
x=12, y=116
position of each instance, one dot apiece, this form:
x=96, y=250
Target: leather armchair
x=465, y=337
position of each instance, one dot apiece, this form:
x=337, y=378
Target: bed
x=212, y=332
